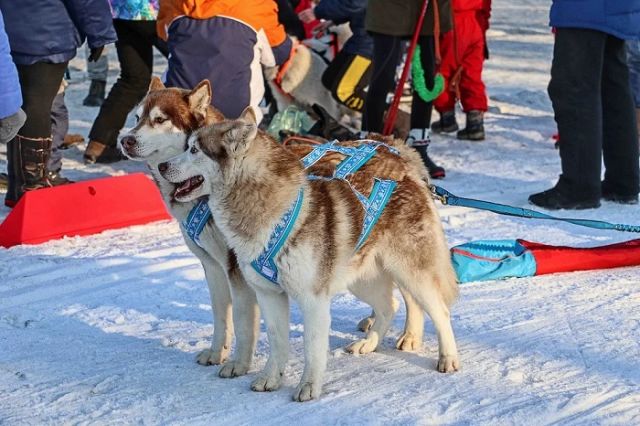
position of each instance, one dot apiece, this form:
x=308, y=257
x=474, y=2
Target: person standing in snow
x=44, y=36
x=225, y=42
x=135, y=25
x=463, y=55
x=633, y=59
x=390, y=24
x=350, y=71
x=593, y=104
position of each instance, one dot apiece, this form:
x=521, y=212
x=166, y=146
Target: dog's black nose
x=128, y=141
x=162, y=167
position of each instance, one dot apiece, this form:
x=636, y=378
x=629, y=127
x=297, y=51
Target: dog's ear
x=200, y=98
x=242, y=131
x=156, y=84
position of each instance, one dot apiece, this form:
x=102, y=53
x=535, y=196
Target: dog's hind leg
x=411, y=338
x=379, y=294
x=246, y=320
x=317, y=322
x=222, y=324
x=425, y=287
x=274, y=305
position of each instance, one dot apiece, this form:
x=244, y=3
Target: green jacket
x=399, y=17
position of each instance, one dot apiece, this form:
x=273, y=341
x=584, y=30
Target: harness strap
x=265, y=264
x=197, y=220
x=448, y=198
x=374, y=206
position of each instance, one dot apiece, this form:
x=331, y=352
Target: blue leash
x=448, y=198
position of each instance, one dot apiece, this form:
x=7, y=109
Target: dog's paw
x=362, y=346
x=409, y=342
x=448, y=363
x=266, y=383
x=232, y=369
x=306, y=391
x=211, y=357
x=365, y=324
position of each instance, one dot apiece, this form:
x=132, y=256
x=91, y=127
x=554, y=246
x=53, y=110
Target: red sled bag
x=499, y=259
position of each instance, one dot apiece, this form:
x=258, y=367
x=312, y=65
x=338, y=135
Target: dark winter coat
x=399, y=17
x=620, y=18
x=10, y=95
x=51, y=30
x=353, y=12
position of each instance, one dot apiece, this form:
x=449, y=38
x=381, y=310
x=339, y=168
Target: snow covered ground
x=104, y=329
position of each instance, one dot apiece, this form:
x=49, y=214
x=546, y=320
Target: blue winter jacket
x=51, y=30
x=10, y=95
x=353, y=12
x=620, y=18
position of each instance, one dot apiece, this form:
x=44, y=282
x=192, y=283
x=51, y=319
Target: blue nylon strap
x=265, y=264
x=197, y=220
x=448, y=198
x=374, y=207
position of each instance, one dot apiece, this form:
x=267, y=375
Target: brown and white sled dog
x=252, y=182
x=165, y=118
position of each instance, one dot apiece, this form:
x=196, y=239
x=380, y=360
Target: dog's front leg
x=246, y=320
x=221, y=305
x=317, y=322
x=274, y=305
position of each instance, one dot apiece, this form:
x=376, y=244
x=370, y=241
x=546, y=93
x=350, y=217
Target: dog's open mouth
x=188, y=186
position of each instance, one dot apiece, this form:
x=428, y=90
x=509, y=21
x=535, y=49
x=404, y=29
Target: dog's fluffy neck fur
x=267, y=178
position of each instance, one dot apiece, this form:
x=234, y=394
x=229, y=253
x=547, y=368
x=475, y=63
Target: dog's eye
x=159, y=120
x=137, y=118
x=193, y=150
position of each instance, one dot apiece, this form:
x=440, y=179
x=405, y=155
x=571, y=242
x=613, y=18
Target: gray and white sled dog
x=304, y=238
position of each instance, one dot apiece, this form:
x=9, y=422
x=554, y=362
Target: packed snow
x=104, y=329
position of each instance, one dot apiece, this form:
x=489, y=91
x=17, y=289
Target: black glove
x=95, y=54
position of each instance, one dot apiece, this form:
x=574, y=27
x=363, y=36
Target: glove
x=95, y=54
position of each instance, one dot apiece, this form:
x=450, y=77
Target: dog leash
x=447, y=198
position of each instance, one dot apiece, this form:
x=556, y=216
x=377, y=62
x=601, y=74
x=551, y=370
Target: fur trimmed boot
x=27, y=166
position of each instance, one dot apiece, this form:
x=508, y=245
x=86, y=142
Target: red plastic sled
x=83, y=208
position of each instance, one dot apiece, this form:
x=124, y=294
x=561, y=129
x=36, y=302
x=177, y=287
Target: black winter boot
x=419, y=140
x=95, y=98
x=446, y=124
x=475, y=127
x=328, y=127
x=56, y=179
x=27, y=166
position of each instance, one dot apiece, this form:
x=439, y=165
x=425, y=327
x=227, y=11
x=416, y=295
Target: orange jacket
x=258, y=14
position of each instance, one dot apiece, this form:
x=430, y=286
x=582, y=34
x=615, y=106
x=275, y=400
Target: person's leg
x=445, y=103
x=419, y=135
x=575, y=92
x=473, y=95
x=135, y=54
x=97, y=72
x=59, y=128
x=30, y=149
x=619, y=127
x=346, y=77
x=633, y=60
x=387, y=51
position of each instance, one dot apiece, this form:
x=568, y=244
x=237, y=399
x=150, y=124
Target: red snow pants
x=471, y=41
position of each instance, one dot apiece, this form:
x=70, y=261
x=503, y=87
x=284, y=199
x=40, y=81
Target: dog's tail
x=448, y=283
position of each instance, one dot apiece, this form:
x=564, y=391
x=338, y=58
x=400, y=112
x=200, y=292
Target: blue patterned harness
x=355, y=158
